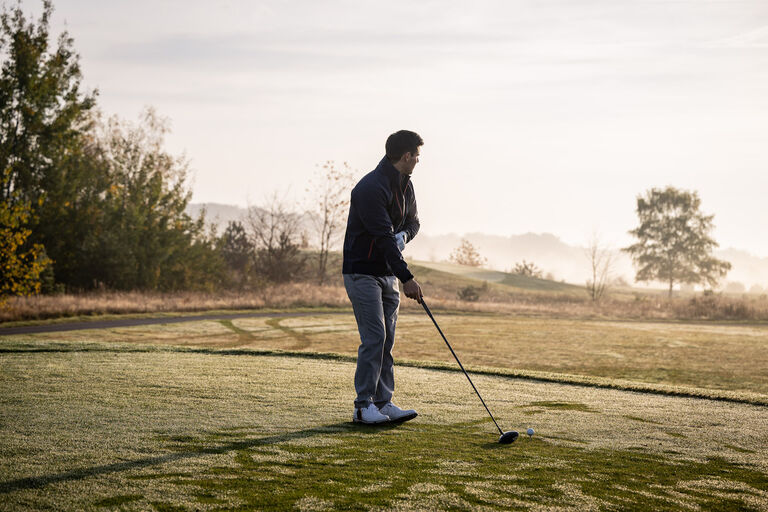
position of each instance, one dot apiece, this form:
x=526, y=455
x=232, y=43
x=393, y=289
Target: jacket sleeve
x=411, y=226
x=371, y=204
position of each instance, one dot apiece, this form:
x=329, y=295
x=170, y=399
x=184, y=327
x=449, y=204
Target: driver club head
x=508, y=437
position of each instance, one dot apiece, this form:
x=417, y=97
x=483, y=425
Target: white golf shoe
x=397, y=414
x=369, y=415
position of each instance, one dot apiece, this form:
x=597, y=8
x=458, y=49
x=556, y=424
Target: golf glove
x=401, y=238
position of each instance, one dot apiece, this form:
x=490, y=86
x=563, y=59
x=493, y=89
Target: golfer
x=382, y=219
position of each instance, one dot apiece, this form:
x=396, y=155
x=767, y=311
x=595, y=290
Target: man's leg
x=391, y=304
x=365, y=293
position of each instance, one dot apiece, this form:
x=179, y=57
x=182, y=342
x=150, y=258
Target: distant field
x=706, y=355
x=115, y=426
x=522, y=283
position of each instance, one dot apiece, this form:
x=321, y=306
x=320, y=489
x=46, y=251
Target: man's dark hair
x=402, y=142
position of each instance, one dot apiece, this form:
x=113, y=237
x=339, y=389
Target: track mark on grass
x=641, y=420
x=300, y=337
x=737, y=448
x=562, y=406
x=243, y=336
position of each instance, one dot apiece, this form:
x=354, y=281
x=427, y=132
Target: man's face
x=410, y=160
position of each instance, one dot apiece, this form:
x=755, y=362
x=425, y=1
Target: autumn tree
x=329, y=206
x=21, y=263
x=107, y=200
x=673, y=240
x=45, y=123
x=466, y=254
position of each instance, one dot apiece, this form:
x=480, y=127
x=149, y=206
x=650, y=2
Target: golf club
x=506, y=437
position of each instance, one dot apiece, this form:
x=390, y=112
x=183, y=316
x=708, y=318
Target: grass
x=112, y=425
x=499, y=292
x=700, y=355
x=506, y=283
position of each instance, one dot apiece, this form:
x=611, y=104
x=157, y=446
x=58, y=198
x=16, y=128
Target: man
x=382, y=219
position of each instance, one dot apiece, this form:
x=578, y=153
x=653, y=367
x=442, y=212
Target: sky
x=538, y=116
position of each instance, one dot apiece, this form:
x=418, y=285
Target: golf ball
x=530, y=431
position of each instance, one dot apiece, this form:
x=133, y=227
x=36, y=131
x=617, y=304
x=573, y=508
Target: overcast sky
x=538, y=116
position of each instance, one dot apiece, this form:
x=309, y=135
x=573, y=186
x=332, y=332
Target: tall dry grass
x=291, y=295
x=295, y=295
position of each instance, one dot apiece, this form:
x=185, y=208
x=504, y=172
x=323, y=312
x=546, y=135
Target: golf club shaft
x=426, y=308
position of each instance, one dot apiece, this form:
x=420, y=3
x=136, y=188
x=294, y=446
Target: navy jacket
x=383, y=203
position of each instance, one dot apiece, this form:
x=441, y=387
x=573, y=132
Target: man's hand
x=401, y=238
x=412, y=290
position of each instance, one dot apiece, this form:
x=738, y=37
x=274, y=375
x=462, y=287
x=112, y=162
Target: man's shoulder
x=370, y=180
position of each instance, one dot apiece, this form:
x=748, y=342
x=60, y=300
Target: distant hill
x=564, y=262
x=218, y=214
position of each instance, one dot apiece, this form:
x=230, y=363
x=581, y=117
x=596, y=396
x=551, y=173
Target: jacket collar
x=393, y=175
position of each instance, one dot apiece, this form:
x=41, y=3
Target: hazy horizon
x=541, y=117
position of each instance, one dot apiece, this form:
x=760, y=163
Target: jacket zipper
x=401, y=207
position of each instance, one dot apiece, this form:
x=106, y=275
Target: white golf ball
x=530, y=431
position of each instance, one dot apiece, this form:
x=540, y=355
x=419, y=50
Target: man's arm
x=371, y=204
x=411, y=226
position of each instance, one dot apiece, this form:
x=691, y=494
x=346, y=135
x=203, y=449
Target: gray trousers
x=375, y=301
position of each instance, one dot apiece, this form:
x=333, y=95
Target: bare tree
x=601, y=264
x=275, y=233
x=329, y=204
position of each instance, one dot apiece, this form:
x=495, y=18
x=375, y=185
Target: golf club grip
x=426, y=308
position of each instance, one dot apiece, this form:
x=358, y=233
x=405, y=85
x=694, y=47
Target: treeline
x=93, y=202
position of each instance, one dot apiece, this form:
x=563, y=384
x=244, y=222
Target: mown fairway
x=705, y=355
x=92, y=422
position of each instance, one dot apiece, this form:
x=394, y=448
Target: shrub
x=469, y=293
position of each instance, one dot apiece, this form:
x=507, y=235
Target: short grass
x=702, y=355
x=109, y=425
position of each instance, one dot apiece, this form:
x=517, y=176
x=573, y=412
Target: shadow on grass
x=82, y=473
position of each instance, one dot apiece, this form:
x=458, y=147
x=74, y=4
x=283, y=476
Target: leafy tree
x=20, y=263
x=42, y=111
x=330, y=204
x=147, y=240
x=45, y=121
x=466, y=254
x=238, y=253
x=673, y=242
x=108, y=202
